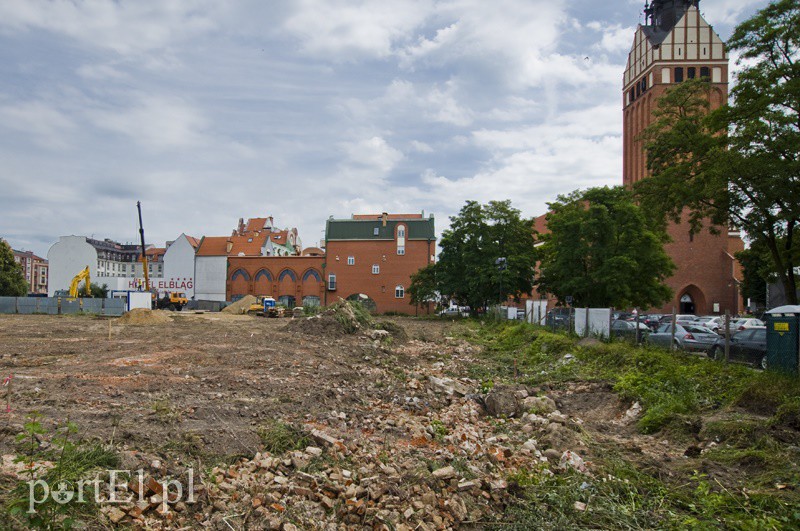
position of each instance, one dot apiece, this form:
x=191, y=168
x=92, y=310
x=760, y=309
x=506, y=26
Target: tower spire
x=663, y=14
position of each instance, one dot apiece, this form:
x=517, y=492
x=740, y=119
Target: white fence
x=594, y=322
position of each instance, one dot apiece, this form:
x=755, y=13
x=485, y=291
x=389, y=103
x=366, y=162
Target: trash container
x=783, y=339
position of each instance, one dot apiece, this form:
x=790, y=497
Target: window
x=351, y=260
x=678, y=75
x=691, y=72
x=401, y=231
x=705, y=71
x=331, y=282
x=399, y=292
x=401, y=250
x=401, y=239
x=376, y=231
x=376, y=269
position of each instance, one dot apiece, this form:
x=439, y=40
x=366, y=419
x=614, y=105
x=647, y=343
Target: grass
x=72, y=460
x=752, y=417
x=279, y=437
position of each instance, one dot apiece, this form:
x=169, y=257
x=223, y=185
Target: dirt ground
x=182, y=388
x=212, y=376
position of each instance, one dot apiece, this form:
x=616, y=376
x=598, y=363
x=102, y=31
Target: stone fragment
x=447, y=472
x=540, y=405
x=502, y=402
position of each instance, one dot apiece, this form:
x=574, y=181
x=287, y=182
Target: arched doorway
x=687, y=304
x=365, y=301
x=692, y=300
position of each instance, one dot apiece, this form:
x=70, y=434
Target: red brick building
x=676, y=43
x=372, y=258
x=290, y=280
x=35, y=269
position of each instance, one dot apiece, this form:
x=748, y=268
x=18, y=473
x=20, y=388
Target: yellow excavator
x=80, y=277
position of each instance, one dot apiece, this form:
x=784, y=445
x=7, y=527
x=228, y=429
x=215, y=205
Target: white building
x=119, y=267
x=67, y=257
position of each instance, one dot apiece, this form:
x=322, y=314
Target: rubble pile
x=339, y=319
x=431, y=453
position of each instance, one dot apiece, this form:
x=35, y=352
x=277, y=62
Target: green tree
x=756, y=273
x=739, y=164
x=12, y=278
x=478, y=236
x=97, y=291
x=600, y=250
x=423, y=288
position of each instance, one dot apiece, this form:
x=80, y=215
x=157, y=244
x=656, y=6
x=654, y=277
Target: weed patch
x=279, y=437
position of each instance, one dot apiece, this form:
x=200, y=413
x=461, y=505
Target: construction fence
x=61, y=306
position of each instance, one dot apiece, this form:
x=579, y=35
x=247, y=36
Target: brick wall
x=296, y=276
x=395, y=270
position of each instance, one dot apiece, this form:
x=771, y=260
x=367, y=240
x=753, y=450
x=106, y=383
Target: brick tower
x=674, y=44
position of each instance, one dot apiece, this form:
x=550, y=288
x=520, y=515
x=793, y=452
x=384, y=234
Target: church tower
x=676, y=43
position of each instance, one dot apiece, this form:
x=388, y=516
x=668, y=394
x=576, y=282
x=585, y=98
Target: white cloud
x=372, y=155
x=47, y=126
x=124, y=27
x=344, y=30
x=155, y=122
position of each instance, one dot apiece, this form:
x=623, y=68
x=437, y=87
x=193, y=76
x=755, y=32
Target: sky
x=209, y=111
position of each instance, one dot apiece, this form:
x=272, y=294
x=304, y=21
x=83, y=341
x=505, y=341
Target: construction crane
x=144, y=251
x=73, y=286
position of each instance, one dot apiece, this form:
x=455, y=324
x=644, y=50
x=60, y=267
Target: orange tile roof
x=255, y=224
x=217, y=245
x=194, y=242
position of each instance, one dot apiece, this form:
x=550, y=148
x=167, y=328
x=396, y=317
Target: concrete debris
x=502, y=401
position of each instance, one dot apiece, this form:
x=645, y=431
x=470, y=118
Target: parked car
x=652, y=321
x=627, y=330
x=558, y=318
x=714, y=322
x=746, y=346
x=687, y=337
x=746, y=323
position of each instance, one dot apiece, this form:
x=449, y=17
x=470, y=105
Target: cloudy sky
x=209, y=111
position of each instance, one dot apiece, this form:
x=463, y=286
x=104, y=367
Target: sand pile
x=241, y=306
x=143, y=316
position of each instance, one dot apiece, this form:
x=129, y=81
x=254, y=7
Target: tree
x=12, y=278
x=423, y=288
x=97, y=291
x=478, y=236
x=600, y=250
x=756, y=273
x=739, y=164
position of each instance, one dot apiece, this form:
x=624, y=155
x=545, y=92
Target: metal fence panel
x=115, y=307
x=92, y=305
x=26, y=305
x=8, y=304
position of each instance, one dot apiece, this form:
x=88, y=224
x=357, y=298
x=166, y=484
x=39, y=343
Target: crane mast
x=144, y=253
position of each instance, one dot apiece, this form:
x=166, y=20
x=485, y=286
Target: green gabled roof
x=358, y=229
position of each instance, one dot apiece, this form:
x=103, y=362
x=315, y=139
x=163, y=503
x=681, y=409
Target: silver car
x=687, y=337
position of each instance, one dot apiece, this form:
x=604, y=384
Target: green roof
x=364, y=229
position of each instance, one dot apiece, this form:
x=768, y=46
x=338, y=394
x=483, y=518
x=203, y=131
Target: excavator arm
x=73, y=286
